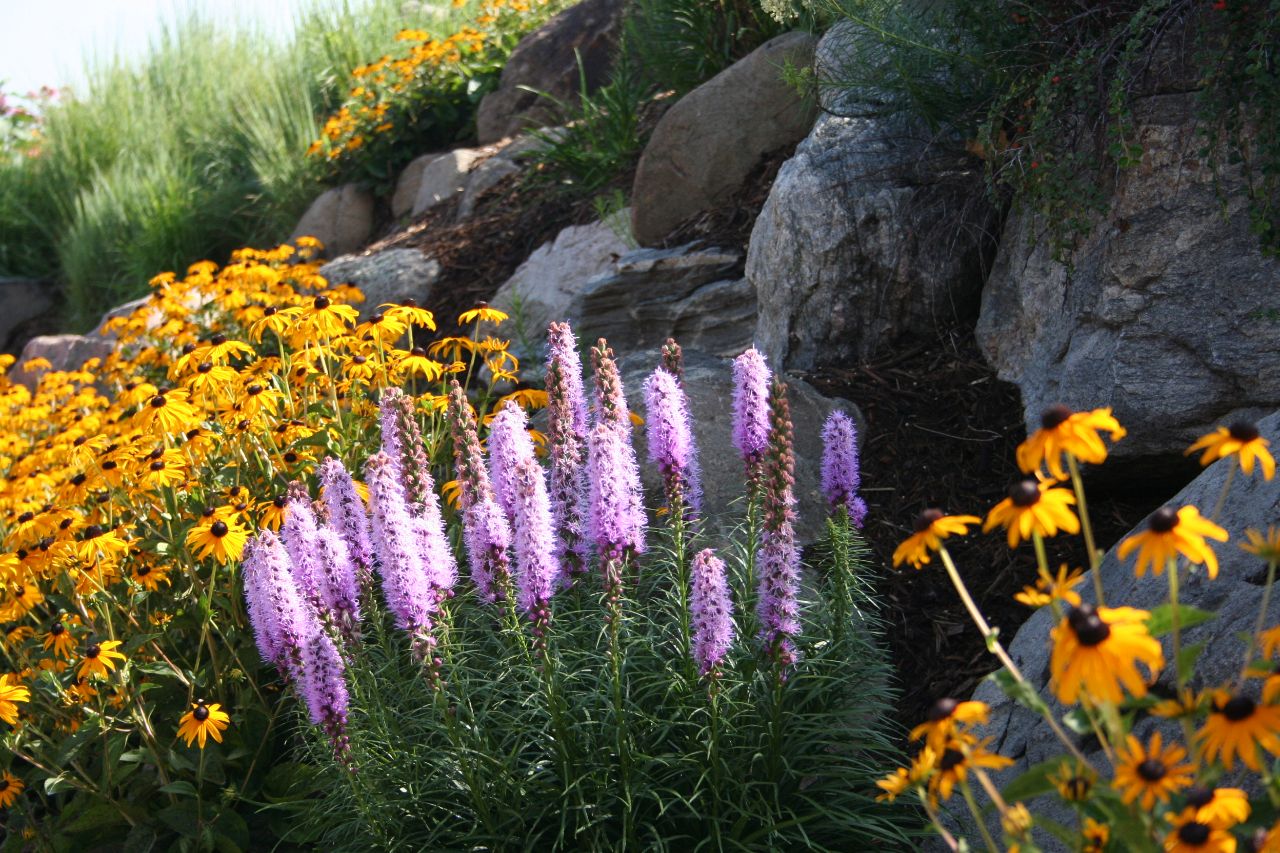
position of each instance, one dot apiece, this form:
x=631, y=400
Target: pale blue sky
x=45, y=42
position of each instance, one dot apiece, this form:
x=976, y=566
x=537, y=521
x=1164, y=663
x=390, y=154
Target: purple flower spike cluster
x=301, y=535
x=537, y=573
x=339, y=584
x=778, y=556
x=671, y=444
x=325, y=692
x=841, y=473
x=711, y=611
x=509, y=441
x=567, y=429
x=347, y=513
x=486, y=531
x=405, y=583
x=751, y=410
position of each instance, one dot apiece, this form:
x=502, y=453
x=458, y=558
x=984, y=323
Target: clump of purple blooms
x=486, y=531
x=751, y=411
x=671, y=444
x=778, y=555
x=711, y=612
x=841, y=473
x=566, y=437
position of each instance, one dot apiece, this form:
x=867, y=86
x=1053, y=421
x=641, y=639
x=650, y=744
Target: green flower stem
x=996, y=648
x=1095, y=556
x=838, y=531
x=967, y=792
x=943, y=832
x=1176, y=619
x=1260, y=622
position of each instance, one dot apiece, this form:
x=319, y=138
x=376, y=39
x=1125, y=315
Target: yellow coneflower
x=12, y=691
x=414, y=362
x=1096, y=650
x=99, y=543
x=1204, y=825
x=163, y=469
x=1265, y=546
x=482, y=313
x=224, y=538
x=273, y=319
x=59, y=640
x=1033, y=507
x=150, y=577
x=381, y=329
x=1171, y=533
x=1050, y=588
x=944, y=718
x=1238, y=725
x=1186, y=704
x=1063, y=431
x=328, y=319
x=1095, y=836
x=203, y=721
x=100, y=659
x=409, y=312
x=956, y=759
x=168, y=412
x=22, y=599
x=902, y=779
x=931, y=528
x=10, y=787
x=1241, y=440
x=1150, y=773
x=271, y=513
x=1073, y=781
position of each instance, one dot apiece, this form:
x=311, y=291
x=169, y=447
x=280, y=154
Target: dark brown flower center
x=1025, y=493
x=158, y=465
x=951, y=759
x=201, y=713
x=1089, y=627
x=1243, y=431
x=1199, y=796
x=254, y=389
x=1152, y=770
x=942, y=709
x=409, y=303
x=218, y=339
x=1193, y=833
x=143, y=570
x=205, y=367
x=158, y=401
x=218, y=528
x=418, y=351
x=358, y=359
x=4, y=784
x=93, y=651
x=927, y=518
x=1163, y=520
x=1054, y=416
x=57, y=629
x=321, y=303
x=25, y=517
x=78, y=479
x=93, y=531
x=269, y=311
x=1239, y=708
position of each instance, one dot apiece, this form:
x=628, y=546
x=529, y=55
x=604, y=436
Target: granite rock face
x=389, y=276
x=708, y=384
x=341, y=218
x=1166, y=310
x=546, y=60
x=21, y=300
x=443, y=177
x=705, y=147
x=63, y=352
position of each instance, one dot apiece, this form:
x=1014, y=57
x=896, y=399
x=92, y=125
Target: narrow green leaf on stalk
x=1160, y=622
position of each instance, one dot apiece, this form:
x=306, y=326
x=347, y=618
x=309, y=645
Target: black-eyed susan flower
x=1265, y=546
x=1241, y=440
x=931, y=528
x=1187, y=703
x=1153, y=772
x=150, y=576
x=903, y=779
x=409, y=312
x=1016, y=821
x=100, y=659
x=1062, y=432
x=1073, y=781
x=98, y=543
x=328, y=319
x=945, y=717
x=12, y=693
x=1171, y=533
x=10, y=787
x=168, y=412
x=1097, y=650
x=956, y=759
x=222, y=537
x=59, y=640
x=1095, y=836
x=1204, y=825
x=203, y=721
x=482, y=313
x=271, y=513
x=1237, y=725
x=1033, y=507
x=1050, y=588
x=22, y=598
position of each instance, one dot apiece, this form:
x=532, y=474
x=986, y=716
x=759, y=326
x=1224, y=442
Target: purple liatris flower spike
x=751, y=407
x=486, y=530
x=711, y=611
x=671, y=444
x=300, y=534
x=389, y=420
x=509, y=442
x=537, y=573
x=616, y=512
x=566, y=436
x=611, y=399
x=347, y=513
x=405, y=583
x=282, y=620
x=841, y=476
x=324, y=690
x=778, y=555
x=339, y=584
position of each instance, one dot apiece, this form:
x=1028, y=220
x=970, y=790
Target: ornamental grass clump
x=1182, y=787
x=621, y=705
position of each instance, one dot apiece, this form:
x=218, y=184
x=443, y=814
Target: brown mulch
x=941, y=431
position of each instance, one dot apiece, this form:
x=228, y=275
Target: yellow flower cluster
x=389, y=88
x=129, y=486
x=1104, y=659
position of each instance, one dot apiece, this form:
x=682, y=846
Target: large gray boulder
x=405, y=195
x=547, y=60
x=21, y=300
x=341, y=218
x=708, y=384
x=63, y=352
x=1235, y=596
x=875, y=231
x=1166, y=310
x=393, y=275
x=443, y=177
x=705, y=147
x=692, y=294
